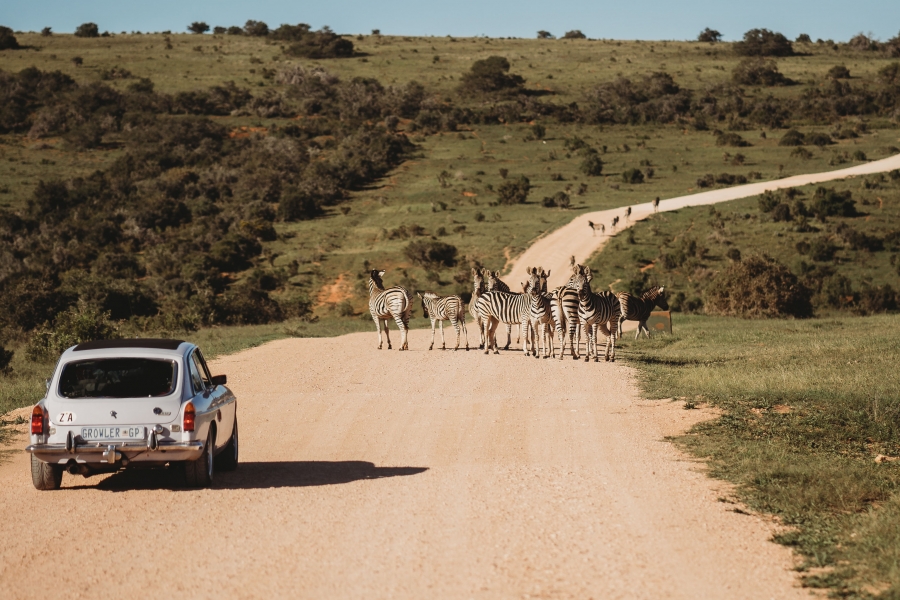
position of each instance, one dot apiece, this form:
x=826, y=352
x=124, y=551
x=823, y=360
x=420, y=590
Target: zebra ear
x=381, y=273
x=418, y=294
x=662, y=289
x=572, y=261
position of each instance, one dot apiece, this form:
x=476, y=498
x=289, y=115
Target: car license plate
x=112, y=433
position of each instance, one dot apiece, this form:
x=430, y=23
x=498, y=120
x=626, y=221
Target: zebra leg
x=611, y=342
x=443, y=343
x=509, y=337
x=575, y=340
x=596, y=330
x=462, y=322
x=494, y=324
x=378, y=327
x=402, y=326
x=485, y=327
x=387, y=333
x=561, y=333
x=432, y=335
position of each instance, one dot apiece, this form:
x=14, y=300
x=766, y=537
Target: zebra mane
x=652, y=294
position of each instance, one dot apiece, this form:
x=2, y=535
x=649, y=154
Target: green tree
x=762, y=42
x=198, y=27
x=87, y=30
x=491, y=76
x=709, y=35
x=514, y=191
x=8, y=41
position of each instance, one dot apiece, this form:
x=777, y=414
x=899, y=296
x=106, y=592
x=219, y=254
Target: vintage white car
x=114, y=404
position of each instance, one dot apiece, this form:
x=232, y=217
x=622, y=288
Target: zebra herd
x=566, y=311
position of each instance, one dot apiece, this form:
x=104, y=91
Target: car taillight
x=189, y=415
x=37, y=421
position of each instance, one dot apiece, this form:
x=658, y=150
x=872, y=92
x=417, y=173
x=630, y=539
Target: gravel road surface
x=385, y=474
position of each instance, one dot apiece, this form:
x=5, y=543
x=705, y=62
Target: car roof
x=155, y=343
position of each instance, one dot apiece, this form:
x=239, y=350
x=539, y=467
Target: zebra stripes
x=639, y=308
x=597, y=311
x=449, y=308
x=494, y=284
x=501, y=307
x=540, y=313
x=384, y=304
x=478, y=288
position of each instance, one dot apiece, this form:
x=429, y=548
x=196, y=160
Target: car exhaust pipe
x=73, y=468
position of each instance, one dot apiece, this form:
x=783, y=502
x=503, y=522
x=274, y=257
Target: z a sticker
x=65, y=417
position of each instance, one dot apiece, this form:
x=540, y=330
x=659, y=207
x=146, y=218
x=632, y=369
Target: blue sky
x=636, y=19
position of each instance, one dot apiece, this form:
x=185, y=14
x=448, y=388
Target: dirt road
x=554, y=250
x=375, y=474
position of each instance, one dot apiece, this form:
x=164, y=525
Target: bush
x=198, y=27
x=219, y=30
x=592, y=165
x=87, y=30
x=79, y=324
x=792, y=138
x=431, y=254
x=575, y=34
x=8, y=41
x=768, y=201
x=758, y=287
x=256, y=28
x=46, y=32
x=558, y=200
x=709, y=35
x=758, y=71
x=632, y=176
x=733, y=140
x=298, y=206
x=514, y=191
x=5, y=358
x=839, y=72
x=827, y=202
x=819, y=139
x=762, y=42
x=491, y=76
x=822, y=249
x=235, y=30
x=544, y=35
x=314, y=44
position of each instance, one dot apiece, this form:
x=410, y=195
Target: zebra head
x=427, y=298
x=375, y=280
x=545, y=275
x=657, y=295
x=533, y=286
x=478, y=281
x=492, y=278
x=580, y=280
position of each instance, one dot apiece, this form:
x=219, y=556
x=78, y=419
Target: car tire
x=199, y=473
x=227, y=460
x=45, y=476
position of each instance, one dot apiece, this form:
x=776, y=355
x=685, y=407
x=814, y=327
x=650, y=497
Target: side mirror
x=219, y=379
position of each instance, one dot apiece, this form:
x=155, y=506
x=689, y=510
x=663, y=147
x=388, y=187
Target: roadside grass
x=638, y=257
x=807, y=407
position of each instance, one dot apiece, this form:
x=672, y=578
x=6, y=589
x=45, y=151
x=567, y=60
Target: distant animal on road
x=392, y=303
x=440, y=309
x=656, y=204
x=596, y=226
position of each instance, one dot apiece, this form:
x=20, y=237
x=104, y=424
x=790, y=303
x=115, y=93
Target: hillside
x=180, y=180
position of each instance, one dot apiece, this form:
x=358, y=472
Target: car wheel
x=199, y=473
x=45, y=476
x=228, y=458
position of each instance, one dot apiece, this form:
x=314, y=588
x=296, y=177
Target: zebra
x=540, y=313
x=494, y=284
x=656, y=204
x=394, y=302
x=627, y=214
x=596, y=226
x=477, y=291
x=615, y=222
x=638, y=309
x=564, y=306
x=596, y=311
x=501, y=307
x=449, y=308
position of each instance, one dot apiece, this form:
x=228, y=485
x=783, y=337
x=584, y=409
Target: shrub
x=709, y=35
x=632, y=176
x=839, y=72
x=256, y=28
x=768, y=201
x=733, y=254
x=544, y=35
x=538, y=131
x=575, y=34
x=5, y=358
x=87, y=30
x=198, y=27
x=491, y=76
x=733, y=140
x=592, y=165
x=819, y=139
x=79, y=324
x=558, y=200
x=758, y=71
x=827, y=202
x=792, y=138
x=235, y=30
x=758, y=287
x=514, y=191
x=315, y=44
x=219, y=30
x=781, y=212
x=877, y=299
x=46, y=32
x=762, y=42
x=8, y=41
x=803, y=38
x=858, y=240
x=822, y=249
x=431, y=254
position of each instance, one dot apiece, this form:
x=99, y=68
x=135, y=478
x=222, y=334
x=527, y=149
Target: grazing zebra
x=656, y=204
x=477, y=291
x=596, y=311
x=596, y=226
x=494, y=284
x=540, y=313
x=501, y=307
x=394, y=302
x=639, y=308
x=449, y=308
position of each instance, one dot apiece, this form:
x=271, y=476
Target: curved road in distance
x=554, y=250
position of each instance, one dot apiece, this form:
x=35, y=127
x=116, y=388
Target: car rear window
x=118, y=378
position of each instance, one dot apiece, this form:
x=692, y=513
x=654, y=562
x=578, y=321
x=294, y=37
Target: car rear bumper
x=119, y=453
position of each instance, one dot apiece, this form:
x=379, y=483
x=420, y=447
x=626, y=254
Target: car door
x=218, y=396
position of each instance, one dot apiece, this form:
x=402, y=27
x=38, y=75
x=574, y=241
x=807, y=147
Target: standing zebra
x=656, y=204
x=627, y=214
x=564, y=306
x=540, y=313
x=477, y=291
x=394, y=302
x=596, y=226
x=639, y=308
x=449, y=308
x=596, y=311
x=494, y=284
x=501, y=307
